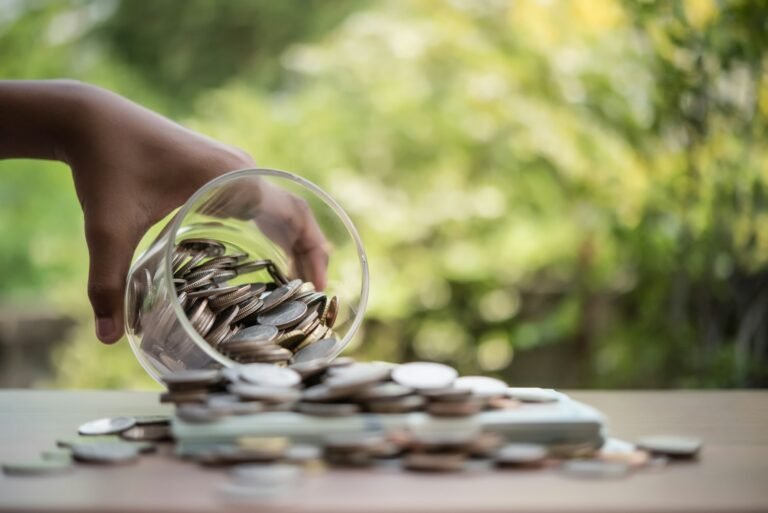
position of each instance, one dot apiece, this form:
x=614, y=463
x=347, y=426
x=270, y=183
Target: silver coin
x=328, y=409
x=520, y=454
x=269, y=375
x=228, y=404
x=147, y=433
x=357, y=376
x=215, y=263
x=595, y=469
x=258, y=288
x=183, y=299
x=39, y=467
x=309, y=369
x=199, y=413
x=405, y=404
x=179, y=255
x=277, y=275
x=280, y=295
x=208, y=246
x=482, y=386
x=232, y=298
x=323, y=393
x=533, y=395
x=273, y=355
x=202, y=377
x=196, y=310
x=106, y=453
x=106, y=426
x=205, y=323
x=305, y=289
x=469, y=406
x=320, y=349
x=248, y=349
x=290, y=339
x=213, y=291
x=247, y=308
x=221, y=329
x=182, y=271
x=383, y=391
x=307, y=324
x=345, y=361
x=345, y=366
x=252, y=266
x=203, y=278
x=187, y=396
x=316, y=300
x=261, y=393
x=143, y=447
x=667, y=445
x=223, y=275
x=284, y=315
x=230, y=373
x=424, y=375
x=314, y=334
x=255, y=334
x=447, y=394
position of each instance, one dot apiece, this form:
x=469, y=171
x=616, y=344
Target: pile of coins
x=263, y=464
x=272, y=321
x=344, y=387
x=339, y=388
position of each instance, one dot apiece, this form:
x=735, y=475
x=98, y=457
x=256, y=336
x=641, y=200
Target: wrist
x=73, y=117
x=41, y=119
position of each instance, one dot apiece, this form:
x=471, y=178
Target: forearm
x=39, y=119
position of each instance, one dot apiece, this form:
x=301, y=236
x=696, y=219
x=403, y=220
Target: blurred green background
x=558, y=193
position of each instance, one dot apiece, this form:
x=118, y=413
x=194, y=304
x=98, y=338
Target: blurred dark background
x=557, y=193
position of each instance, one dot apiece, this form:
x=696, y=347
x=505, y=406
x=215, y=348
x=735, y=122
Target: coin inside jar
x=266, y=321
x=287, y=314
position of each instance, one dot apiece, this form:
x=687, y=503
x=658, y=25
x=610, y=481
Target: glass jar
x=238, y=210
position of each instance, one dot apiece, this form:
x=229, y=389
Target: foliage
x=563, y=193
x=185, y=51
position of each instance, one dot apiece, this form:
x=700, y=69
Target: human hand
x=132, y=167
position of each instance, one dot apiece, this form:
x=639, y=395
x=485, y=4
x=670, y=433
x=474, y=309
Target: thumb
x=110, y=250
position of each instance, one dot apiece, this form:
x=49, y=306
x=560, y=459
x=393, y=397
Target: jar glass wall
x=248, y=212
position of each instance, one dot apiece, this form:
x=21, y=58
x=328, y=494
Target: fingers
x=110, y=249
x=289, y=222
x=310, y=249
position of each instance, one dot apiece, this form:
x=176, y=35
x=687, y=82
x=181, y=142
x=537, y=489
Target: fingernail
x=104, y=327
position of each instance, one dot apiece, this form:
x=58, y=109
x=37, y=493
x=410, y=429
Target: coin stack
x=340, y=388
x=270, y=321
x=344, y=387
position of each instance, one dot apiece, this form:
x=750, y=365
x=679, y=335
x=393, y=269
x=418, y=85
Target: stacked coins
x=271, y=321
x=343, y=388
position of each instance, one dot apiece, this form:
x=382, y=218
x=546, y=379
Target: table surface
x=731, y=474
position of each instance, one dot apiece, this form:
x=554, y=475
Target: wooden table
x=731, y=475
